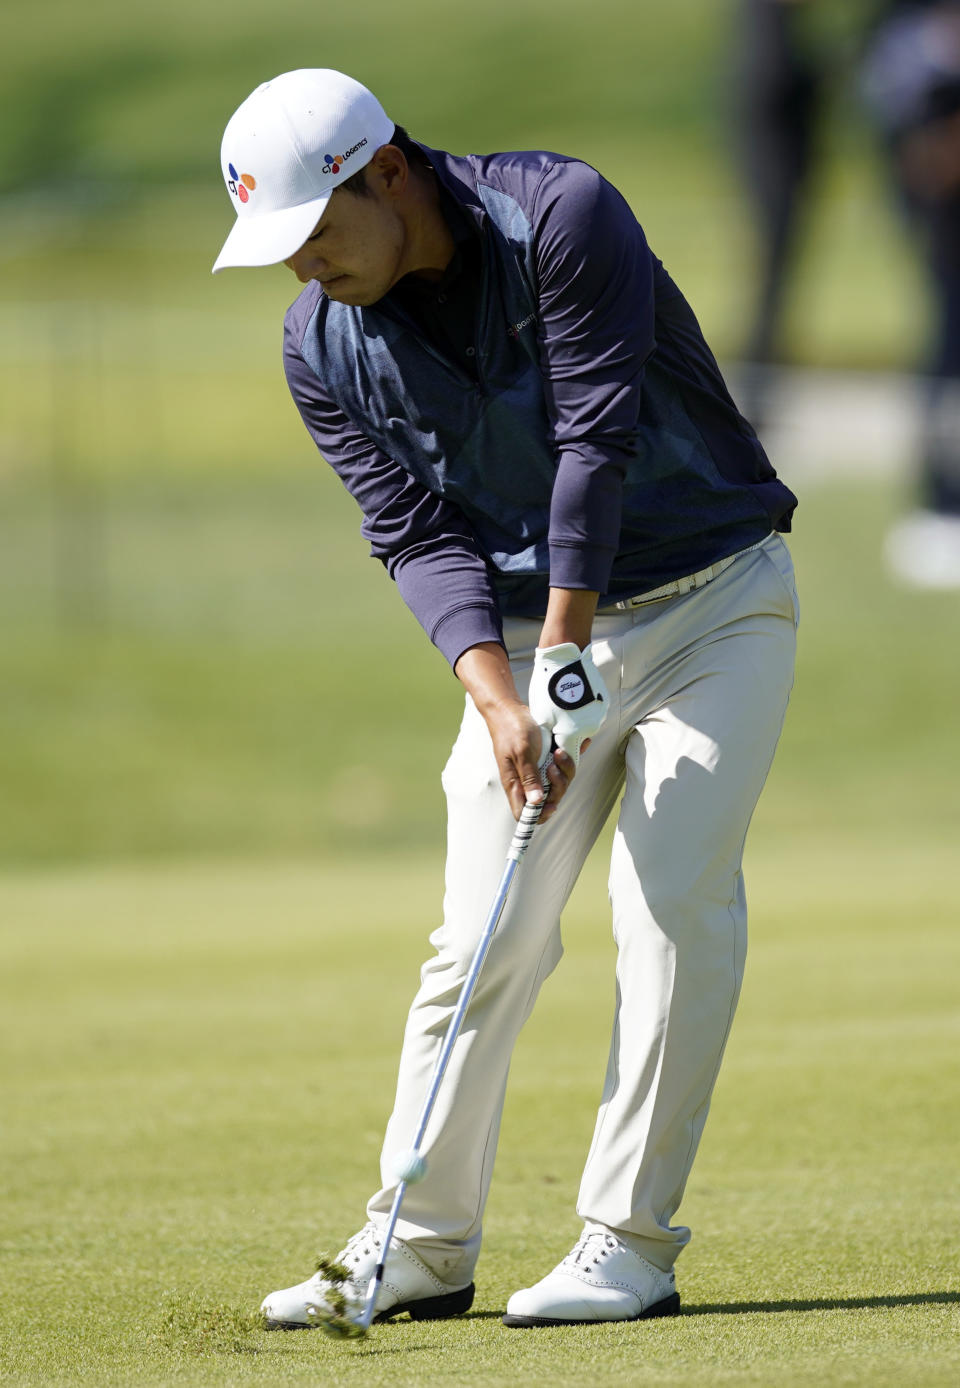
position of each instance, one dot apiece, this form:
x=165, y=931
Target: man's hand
x=518, y=741
x=568, y=696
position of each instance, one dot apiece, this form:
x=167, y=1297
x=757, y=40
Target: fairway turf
x=217, y=869
x=196, y=1094
x=199, y=1052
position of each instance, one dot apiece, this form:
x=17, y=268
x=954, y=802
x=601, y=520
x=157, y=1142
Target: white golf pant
x=698, y=690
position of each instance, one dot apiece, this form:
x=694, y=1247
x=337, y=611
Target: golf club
x=411, y=1162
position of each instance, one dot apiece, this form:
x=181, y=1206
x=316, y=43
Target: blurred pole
x=79, y=521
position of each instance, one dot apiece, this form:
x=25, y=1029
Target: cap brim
x=270, y=237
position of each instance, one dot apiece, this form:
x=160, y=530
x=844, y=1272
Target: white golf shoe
x=408, y=1285
x=601, y=1279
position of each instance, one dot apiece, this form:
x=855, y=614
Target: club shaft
x=518, y=846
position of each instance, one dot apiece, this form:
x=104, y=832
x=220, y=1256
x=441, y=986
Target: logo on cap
x=240, y=185
x=333, y=163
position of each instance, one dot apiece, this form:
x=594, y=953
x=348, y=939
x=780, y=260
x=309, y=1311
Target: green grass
x=200, y=1061
x=119, y=353
x=210, y=940
x=220, y=843
x=148, y=91
x=208, y=680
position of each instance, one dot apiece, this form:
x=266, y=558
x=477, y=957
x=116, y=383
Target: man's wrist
x=570, y=613
x=484, y=671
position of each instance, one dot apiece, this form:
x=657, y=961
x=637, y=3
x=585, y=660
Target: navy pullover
x=591, y=444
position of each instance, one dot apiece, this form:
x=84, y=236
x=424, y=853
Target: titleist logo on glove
x=570, y=686
x=568, y=697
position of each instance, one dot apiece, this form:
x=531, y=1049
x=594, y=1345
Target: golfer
x=549, y=466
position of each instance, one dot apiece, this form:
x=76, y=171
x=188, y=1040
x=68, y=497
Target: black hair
x=414, y=155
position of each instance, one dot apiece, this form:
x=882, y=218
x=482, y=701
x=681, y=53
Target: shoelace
x=361, y=1245
x=591, y=1248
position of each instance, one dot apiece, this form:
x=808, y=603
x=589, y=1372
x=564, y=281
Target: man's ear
x=389, y=169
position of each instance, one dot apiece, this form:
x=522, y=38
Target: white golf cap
x=285, y=150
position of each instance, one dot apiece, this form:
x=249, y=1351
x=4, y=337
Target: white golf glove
x=567, y=696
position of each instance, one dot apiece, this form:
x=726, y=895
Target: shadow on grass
x=826, y=1303
x=745, y=1308
x=377, y=1346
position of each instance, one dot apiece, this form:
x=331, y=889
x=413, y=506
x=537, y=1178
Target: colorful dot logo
x=332, y=163
x=240, y=185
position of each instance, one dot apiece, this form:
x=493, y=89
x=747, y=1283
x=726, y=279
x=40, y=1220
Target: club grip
x=529, y=818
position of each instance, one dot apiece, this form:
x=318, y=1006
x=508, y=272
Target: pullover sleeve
x=595, y=275
x=424, y=542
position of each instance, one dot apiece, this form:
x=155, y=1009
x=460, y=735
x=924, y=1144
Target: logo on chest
x=515, y=329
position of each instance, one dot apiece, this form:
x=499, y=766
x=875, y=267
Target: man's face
x=356, y=250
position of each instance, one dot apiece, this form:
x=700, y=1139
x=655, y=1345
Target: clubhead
x=340, y=1327
x=332, y=1318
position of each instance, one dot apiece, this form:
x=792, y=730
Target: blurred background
x=184, y=597
x=221, y=837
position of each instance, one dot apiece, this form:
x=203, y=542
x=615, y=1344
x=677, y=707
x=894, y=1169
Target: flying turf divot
x=333, y=1318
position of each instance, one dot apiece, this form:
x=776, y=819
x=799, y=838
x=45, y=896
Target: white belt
x=680, y=585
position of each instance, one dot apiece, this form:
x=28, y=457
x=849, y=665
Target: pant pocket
x=777, y=555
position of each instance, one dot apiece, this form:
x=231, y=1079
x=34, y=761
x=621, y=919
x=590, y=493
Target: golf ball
x=409, y=1166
